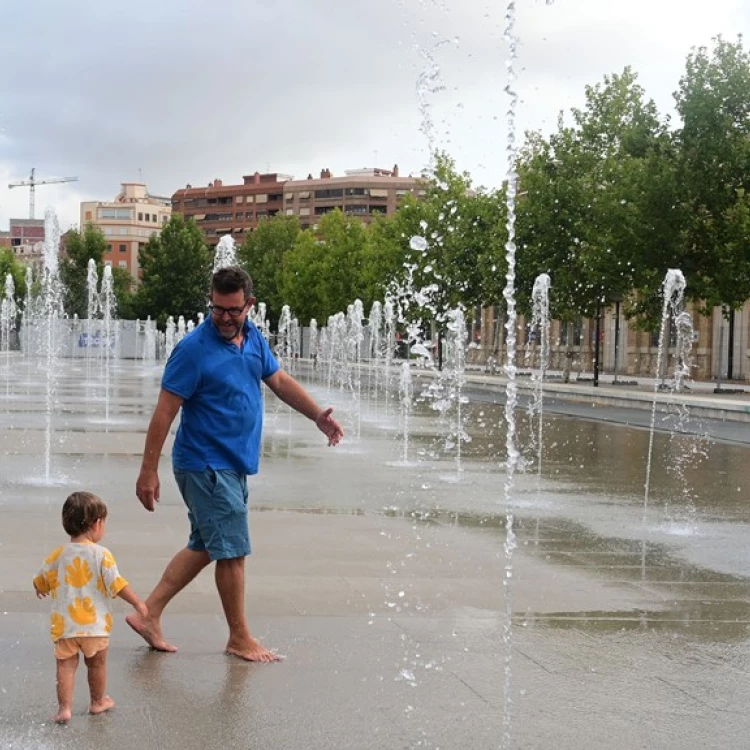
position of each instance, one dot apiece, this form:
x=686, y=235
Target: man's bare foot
x=150, y=630
x=101, y=706
x=252, y=651
x=62, y=716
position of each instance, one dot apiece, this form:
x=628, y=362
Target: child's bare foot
x=62, y=716
x=101, y=706
x=251, y=650
x=150, y=630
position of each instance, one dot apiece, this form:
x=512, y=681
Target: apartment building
x=220, y=209
x=364, y=193
x=25, y=239
x=127, y=222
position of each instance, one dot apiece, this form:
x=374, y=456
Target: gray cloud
x=187, y=92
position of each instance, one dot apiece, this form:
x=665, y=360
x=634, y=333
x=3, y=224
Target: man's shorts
x=91, y=645
x=217, y=508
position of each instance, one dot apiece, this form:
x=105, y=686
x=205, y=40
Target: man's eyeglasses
x=233, y=312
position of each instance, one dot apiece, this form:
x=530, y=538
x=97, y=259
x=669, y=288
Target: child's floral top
x=81, y=579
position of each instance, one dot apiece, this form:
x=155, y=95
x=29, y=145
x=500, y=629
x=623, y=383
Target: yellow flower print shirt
x=81, y=580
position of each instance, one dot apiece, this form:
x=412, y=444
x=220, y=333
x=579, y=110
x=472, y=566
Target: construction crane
x=31, y=184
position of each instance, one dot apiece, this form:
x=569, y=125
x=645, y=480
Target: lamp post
x=617, y=300
x=597, y=334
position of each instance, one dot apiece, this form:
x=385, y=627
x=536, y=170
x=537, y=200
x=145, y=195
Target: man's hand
x=329, y=427
x=147, y=489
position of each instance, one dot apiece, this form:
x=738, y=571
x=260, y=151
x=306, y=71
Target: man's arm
x=292, y=393
x=147, y=486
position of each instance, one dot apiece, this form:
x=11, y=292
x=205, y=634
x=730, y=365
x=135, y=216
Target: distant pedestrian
x=82, y=578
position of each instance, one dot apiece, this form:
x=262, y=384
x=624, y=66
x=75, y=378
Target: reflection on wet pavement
x=616, y=610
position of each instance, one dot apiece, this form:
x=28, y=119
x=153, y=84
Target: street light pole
x=597, y=333
x=617, y=301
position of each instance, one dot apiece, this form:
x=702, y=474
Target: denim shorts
x=217, y=508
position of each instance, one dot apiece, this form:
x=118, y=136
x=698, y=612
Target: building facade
x=220, y=209
x=363, y=193
x=25, y=239
x=127, y=222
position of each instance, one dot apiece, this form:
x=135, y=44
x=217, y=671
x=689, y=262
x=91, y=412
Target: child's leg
x=97, y=667
x=66, y=680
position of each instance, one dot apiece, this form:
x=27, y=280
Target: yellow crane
x=32, y=182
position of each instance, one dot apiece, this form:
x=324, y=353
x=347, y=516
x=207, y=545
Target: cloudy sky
x=178, y=91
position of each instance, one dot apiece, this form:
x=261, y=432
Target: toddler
x=82, y=579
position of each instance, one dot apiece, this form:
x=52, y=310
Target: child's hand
x=40, y=594
x=141, y=609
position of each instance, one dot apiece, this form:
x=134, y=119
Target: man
x=214, y=375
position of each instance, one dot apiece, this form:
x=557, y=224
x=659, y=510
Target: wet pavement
x=377, y=571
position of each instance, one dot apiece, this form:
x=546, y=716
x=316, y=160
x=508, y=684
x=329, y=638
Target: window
x=153, y=218
x=378, y=193
x=88, y=216
x=116, y=213
x=275, y=196
x=239, y=199
x=123, y=248
x=304, y=212
x=108, y=263
x=357, y=191
x=304, y=195
x=109, y=248
x=321, y=210
x=289, y=196
x=333, y=193
x=377, y=209
x=248, y=214
x=164, y=219
x=290, y=212
x=140, y=216
x=355, y=209
x=122, y=264
x=262, y=198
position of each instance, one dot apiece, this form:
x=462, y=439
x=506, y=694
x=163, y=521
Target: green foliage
x=713, y=101
x=323, y=273
x=262, y=255
x=79, y=248
x=458, y=250
x=176, y=273
x=596, y=208
x=10, y=265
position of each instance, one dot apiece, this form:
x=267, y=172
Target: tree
x=262, y=255
x=9, y=264
x=322, y=274
x=713, y=101
x=594, y=212
x=91, y=244
x=451, y=237
x=176, y=272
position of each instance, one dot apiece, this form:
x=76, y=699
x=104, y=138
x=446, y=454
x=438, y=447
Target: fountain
x=7, y=324
x=108, y=344
x=226, y=255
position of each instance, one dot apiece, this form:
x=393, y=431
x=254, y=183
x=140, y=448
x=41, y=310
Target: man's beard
x=229, y=332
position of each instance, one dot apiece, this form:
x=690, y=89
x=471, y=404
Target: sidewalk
x=731, y=403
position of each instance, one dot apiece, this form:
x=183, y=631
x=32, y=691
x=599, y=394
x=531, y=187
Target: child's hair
x=81, y=511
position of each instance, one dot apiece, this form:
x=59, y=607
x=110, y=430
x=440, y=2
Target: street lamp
x=617, y=300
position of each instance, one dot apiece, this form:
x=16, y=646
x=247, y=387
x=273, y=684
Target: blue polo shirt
x=222, y=411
